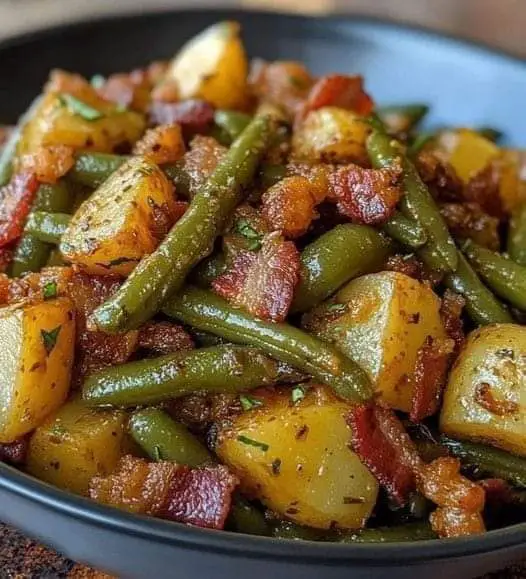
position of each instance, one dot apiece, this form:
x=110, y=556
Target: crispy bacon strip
x=439, y=176
x=200, y=497
x=201, y=159
x=484, y=189
x=469, y=220
x=263, y=283
x=413, y=267
x=289, y=206
x=194, y=116
x=429, y=377
x=336, y=90
x=366, y=196
x=163, y=144
x=382, y=444
x=48, y=164
x=16, y=199
x=14, y=452
x=164, y=338
x=451, y=315
x=484, y=397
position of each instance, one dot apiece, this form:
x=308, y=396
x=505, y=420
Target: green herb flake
x=58, y=431
x=80, y=108
x=297, y=394
x=249, y=402
x=97, y=81
x=49, y=339
x=337, y=308
x=50, y=290
x=157, y=453
x=245, y=440
x=244, y=228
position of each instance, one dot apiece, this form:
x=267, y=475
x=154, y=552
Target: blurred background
x=496, y=22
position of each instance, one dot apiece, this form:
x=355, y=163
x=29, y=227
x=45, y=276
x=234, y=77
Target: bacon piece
x=411, y=266
x=469, y=220
x=382, y=444
x=201, y=160
x=16, y=199
x=263, y=283
x=366, y=195
x=164, y=338
x=289, y=206
x=284, y=84
x=429, y=377
x=129, y=90
x=439, y=176
x=336, y=90
x=14, y=452
x=164, y=144
x=451, y=308
x=318, y=176
x=200, y=496
x=452, y=522
x=194, y=116
x=6, y=256
x=484, y=397
x=49, y=163
x=484, y=189
x=199, y=411
x=497, y=491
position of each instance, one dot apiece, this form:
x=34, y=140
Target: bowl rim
x=85, y=510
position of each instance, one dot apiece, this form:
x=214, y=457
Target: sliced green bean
x=289, y=530
x=405, y=230
x=55, y=258
x=48, y=227
x=481, y=305
x=344, y=252
x=402, y=118
x=210, y=268
x=190, y=240
x=31, y=254
x=226, y=368
x=164, y=439
x=517, y=236
x=419, y=142
x=92, y=169
x=232, y=123
x=245, y=518
x=208, y=312
x=440, y=252
x=395, y=534
x=488, y=460
x=505, y=277
x=490, y=133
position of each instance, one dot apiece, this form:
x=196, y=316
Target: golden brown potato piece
x=485, y=398
x=212, y=66
x=36, y=355
x=124, y=219
x=75, y=444
x=294, y=457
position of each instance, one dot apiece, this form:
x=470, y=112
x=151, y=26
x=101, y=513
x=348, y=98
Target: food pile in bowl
x=239, y=296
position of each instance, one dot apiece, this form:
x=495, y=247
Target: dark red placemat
x=22, y=558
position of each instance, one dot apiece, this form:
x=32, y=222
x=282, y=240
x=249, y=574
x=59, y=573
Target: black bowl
x=466, y=84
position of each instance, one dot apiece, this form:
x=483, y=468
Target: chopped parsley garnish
x=245, y=440
x=49, y=339
x=336, y=308
x=249, y=402
x=297, y=394
x=58, y=431
x=80, y=108
x=244, y=228
x=97, y=81
x=50, y=290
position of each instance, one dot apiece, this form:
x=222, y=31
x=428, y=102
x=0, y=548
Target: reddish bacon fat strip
x=16, y=199
x=263, y=283
x=194, y=116
x=164, y=338
x=200, y=497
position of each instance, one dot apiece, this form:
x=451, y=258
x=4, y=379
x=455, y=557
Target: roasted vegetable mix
x=239, y=296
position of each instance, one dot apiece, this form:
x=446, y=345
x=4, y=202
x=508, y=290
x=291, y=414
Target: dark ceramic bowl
x=466, y=84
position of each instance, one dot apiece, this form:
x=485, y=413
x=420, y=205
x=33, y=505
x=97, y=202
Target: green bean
x=489, y=461
x=505, y=277
x=440, y=252
x=517, y=236
x=395, y=534
x=344, y=252
x=31, y=254
x=55, y=258
x=233, y=123
x=206, y=311
x=405, y=230
x=288, y=530
x=48, y=227
x=490, y=133
x=245, y=518
x=92, y=169
x=270, y=174
x=180, y=178
x=225, y=368
x=402, y=118
x=211, y=267
x=419, y=142
x=164, y=439
x=190, y=240
x=9, y=149
x=481, y=305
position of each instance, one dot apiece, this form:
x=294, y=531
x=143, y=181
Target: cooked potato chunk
x=381, y=321
x=294, y=457
x=332, y=135
x=485, y=398
x=36, y=355
x=212, y=66
x=98, y=127
x=124, y=219
x=75, y=444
